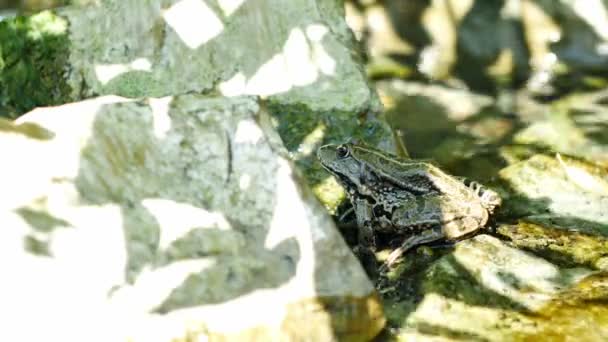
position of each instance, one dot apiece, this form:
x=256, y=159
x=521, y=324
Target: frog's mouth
x=347, y=182
x=342, y=179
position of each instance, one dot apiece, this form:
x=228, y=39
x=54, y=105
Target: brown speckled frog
x=406, y=197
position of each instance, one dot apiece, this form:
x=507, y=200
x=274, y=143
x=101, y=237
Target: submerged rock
x=172, y=218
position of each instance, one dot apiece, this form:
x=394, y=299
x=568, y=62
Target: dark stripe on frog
x=416, y=229
x=379, y=211
x=416, y=185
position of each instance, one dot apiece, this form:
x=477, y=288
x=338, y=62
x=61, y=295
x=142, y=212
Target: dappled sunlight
x=70, y=285
x=523, y=278
x=39, y=163
x=291, y=220
x=235, y=86
x=24, y=179
x=64, y=150
x=248, y=132
x=94, y=246
x=155, y=285
x=44, y=24
x=237, y=314
x=270, y=78
x=81, y=252
x=107, y=72
x=325, y=63
x=330, y=192
x=198, y=216
x=160, y=115
x=178, y=219
x=230, y=6
x=311, y=142
x=244, y=182
x=594, y=14
x=580, y=175
x=194, y=22
x=441, y=312
x=297, y=52
x=302, y=62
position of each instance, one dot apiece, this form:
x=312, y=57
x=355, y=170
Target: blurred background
x=489, y=81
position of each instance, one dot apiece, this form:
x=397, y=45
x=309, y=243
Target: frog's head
x=345, y=163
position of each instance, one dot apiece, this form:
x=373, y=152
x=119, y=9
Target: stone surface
x=487, y=290
x=559, y=191
x=559, y=245
x=574, y=125
x=300, y=51
x=176, y=218
x=298, y=54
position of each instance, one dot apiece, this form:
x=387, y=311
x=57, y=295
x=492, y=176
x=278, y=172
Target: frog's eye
x=342, y=151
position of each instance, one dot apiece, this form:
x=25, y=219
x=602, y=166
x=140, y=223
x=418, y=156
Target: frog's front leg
x=366, y=239
x=364, y=214
x=430, y=234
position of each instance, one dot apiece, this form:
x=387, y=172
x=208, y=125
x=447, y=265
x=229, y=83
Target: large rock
x=299, y=50
x=299, y=54
x=173, y=218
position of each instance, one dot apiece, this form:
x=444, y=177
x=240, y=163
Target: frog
x=407, y=197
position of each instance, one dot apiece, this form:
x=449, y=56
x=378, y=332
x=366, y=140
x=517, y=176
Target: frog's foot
x=428, y=235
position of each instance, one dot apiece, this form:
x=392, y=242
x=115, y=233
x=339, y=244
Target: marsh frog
x=406, y=197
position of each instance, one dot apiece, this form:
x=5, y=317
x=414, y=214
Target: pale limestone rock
x=172, y=218
x=298, y=51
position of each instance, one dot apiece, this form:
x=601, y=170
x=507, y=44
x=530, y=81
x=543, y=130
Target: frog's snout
x=326, y=153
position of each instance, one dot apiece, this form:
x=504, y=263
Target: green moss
x=135, y=84
x=568, y=248
x=296, y=123
x=33, y=59
x=579, y=311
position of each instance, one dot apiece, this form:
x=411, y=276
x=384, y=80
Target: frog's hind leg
x=428, y=235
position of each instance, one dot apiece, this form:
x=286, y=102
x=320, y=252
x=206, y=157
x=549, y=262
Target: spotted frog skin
x=408, y=197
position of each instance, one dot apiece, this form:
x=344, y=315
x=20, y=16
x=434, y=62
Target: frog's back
x=424, y=177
